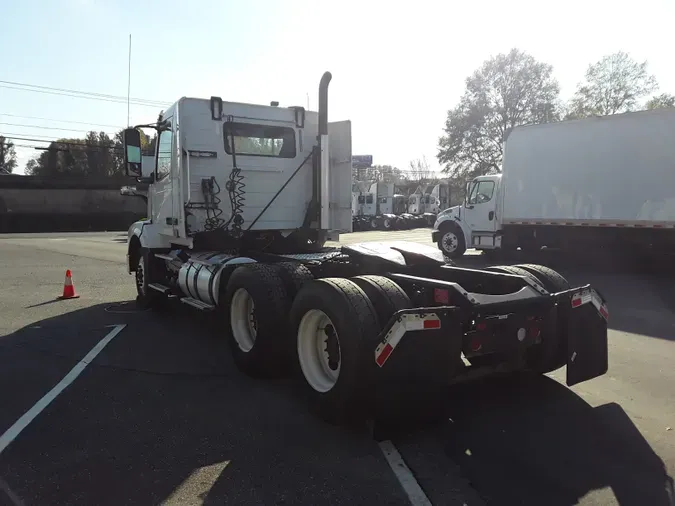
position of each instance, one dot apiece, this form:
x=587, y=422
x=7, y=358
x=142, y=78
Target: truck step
x=165, y=257
x=202, y=306
x=160, y=288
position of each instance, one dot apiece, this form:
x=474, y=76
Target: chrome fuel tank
x=200, y=276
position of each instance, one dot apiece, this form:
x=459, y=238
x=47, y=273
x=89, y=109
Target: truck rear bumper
x=426, y=344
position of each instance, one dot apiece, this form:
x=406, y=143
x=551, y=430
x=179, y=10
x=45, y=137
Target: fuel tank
x=200, y=276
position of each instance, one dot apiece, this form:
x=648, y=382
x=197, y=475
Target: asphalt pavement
x=162, y=416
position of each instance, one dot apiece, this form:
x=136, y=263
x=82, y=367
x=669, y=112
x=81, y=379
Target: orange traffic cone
x=68, y=287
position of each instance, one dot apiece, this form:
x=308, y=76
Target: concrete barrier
x=31, y=204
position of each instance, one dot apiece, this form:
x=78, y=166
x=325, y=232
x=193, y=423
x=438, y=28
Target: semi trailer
x=241, y=204
x=605, y=182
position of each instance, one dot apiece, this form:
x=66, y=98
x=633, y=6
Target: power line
x=46, y=127
x=11, y=135
x=52, y=140
x=88, y=93
x=61, y=120
x=100, y=99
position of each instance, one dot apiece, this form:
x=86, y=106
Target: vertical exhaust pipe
x=324, y=159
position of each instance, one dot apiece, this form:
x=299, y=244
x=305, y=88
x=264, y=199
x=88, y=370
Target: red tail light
x=441, y=296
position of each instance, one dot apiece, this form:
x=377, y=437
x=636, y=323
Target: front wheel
x=451, y=242
x=146, y=273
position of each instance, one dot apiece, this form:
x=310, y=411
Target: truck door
x=480, y=207
x=162, y=194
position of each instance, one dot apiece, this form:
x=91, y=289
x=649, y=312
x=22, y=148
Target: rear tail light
x=441, y=296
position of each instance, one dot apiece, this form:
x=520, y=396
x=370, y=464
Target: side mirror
x=132, y=152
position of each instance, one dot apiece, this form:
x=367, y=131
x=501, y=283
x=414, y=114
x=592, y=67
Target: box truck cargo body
x=607, y=182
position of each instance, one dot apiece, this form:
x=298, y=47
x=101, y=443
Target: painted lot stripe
x=404, y=475
x=13, y=432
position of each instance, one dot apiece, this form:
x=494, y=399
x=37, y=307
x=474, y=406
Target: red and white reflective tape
x=593, y=224
x=406, y=323
x=590, y=295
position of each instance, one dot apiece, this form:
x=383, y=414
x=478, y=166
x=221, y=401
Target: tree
x=7, y=156
x=506, y=91
x=660, y=101
x=612, y=85
x=420, y=169
x=97, y=155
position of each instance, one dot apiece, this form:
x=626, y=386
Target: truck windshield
x=260, y=140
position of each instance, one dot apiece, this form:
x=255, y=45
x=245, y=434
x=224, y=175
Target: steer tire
x=147, y=271
x=355, y=322
x=268, y=356
x=450, y=228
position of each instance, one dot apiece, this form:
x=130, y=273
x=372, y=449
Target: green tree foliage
x=615, y=84
x=506, y=91
x=7, y=156
x=97, y=155
x=661, y=101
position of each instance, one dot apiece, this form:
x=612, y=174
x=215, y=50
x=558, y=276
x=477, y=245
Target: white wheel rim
x=242, y=320
x=450, y=242
x=320, y=365
x=387, y=223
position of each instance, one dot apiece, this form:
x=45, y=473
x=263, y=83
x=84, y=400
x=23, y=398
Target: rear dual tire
x=329, y=340
x=551, y=353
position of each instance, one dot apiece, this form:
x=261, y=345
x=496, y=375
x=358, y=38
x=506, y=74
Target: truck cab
x=474, y=223
x=227, y=174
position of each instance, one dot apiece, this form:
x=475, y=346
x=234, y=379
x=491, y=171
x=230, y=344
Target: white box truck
x=242, y=199
x=604, y=182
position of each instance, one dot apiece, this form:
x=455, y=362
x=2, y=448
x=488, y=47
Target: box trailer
x=604, y=182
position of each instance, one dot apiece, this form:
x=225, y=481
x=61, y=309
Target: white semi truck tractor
x=241, y=201
x=596, y=183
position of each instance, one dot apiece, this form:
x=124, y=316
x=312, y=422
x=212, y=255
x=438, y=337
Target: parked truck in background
x=240, y=204
x=605, y=182
x=378, y=207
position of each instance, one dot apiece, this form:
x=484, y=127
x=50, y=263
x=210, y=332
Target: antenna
x=129, y=83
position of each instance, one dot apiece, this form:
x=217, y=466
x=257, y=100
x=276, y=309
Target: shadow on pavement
x=163, y=416
x=532, y=441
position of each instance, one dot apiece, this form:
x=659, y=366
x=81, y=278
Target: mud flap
x=414, y=375
x=587, y=353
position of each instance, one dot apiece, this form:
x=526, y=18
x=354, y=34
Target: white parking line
x=404, y=475
x=13, y=432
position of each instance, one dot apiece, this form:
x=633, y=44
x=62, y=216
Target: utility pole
x=129, y=84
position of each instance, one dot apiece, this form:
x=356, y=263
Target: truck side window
x=369, y=199
x=164, y=150
x=482, y=192
x=362, y=199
